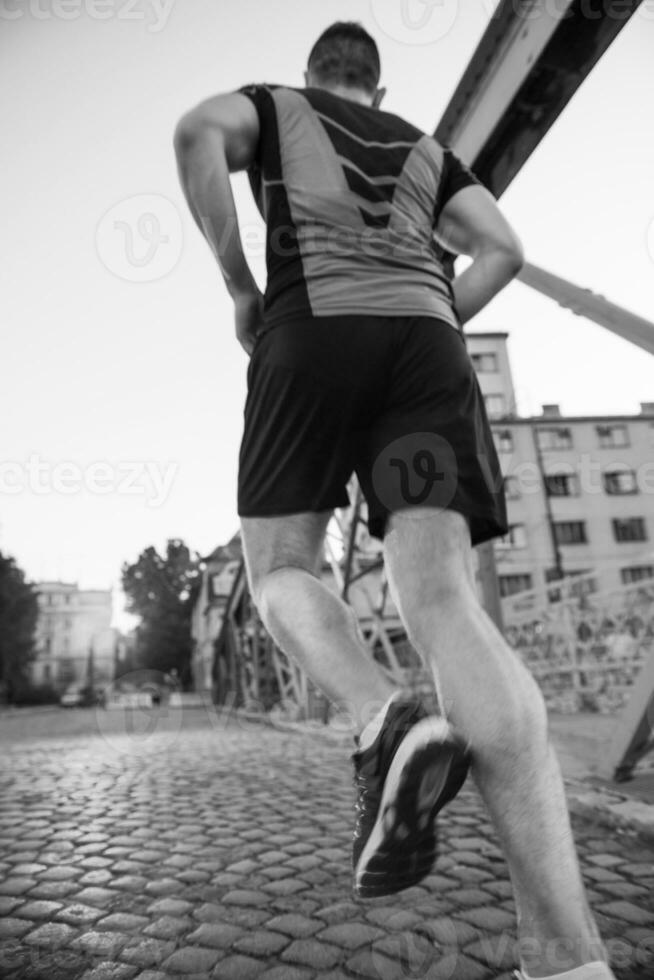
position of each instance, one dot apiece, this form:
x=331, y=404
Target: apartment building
x=490, y=358
x=580, y=489
x=73, y=629
x=218, y=572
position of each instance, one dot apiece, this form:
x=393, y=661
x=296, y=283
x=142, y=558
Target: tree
x=162, y=591
x=19, y=612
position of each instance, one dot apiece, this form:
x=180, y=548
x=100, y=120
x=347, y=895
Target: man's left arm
x=219, y=137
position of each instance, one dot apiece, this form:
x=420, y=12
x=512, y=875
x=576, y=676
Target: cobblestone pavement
x=224, y=853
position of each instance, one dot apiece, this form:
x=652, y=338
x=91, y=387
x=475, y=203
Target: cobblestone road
x=224, y=853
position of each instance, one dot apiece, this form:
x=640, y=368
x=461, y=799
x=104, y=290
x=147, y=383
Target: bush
x=33, y=694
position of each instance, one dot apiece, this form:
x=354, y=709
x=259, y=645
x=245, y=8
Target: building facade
x=218, y=572
x=580, y=489
x=73, y=635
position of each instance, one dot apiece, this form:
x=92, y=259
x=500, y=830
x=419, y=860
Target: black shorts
x=394, y=399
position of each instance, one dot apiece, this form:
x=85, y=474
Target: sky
x=121, y=383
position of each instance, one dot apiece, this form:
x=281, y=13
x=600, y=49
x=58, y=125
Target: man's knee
x=269, y=588
x=523, y=728
x=434, y=599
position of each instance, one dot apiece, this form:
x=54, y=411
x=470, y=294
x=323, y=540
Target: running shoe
x=413, y=768
x=597, y=970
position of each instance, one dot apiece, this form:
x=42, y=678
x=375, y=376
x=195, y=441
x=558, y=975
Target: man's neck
x=353, y=94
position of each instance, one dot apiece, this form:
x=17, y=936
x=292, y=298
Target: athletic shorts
x=393, y=399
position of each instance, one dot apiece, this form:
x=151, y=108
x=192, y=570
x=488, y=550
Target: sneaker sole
x=426, y=736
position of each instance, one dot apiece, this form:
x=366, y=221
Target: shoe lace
x=365, y=790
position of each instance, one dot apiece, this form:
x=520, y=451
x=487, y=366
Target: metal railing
x=584, y=646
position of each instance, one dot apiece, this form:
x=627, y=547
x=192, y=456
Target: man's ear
x=378, y=96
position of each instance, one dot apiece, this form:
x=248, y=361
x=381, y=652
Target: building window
x=554, y=438
x=636, y=573
x=67, y=623
x=629, y=529
x=620, y=481
x=511, y=487
x=485, y=361
x=562, y=485
x=495, y=406
x=584, y=586
x=515, y=538
x=503, y=439
x=570, y=532
x=612, y=436
x=510, y=584
x=46, y=672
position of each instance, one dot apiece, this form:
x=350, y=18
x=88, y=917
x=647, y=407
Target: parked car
x=82, y=696
x=72, y=697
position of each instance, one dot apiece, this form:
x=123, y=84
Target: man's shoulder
x=388, y=125
x=254, y=87
x=368, y=123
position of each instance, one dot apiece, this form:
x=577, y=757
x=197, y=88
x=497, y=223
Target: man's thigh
x=282, y=541
x=428, y=556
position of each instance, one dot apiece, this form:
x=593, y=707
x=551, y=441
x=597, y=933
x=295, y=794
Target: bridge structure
x=531, y=60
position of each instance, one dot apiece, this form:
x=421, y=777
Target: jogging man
x=358, y=363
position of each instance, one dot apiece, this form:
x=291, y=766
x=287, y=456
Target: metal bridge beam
x=584, y=302
x=529, y=63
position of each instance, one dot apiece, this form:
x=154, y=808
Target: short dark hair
x=346, y=54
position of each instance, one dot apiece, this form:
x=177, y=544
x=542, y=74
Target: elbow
x=519, y=256
x=191, y=130
x=513, y=256
x=516, y=254
x=517, y=260
x=193, y=134
x=505, y=252
x=184, y=136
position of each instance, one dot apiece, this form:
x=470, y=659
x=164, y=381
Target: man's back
x=351, y=196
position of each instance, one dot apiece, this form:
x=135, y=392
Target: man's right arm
x=217, y=138
x=472, y=224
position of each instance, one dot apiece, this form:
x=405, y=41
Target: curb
x=315, y=729
x=28, y=711
x=615, y=811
